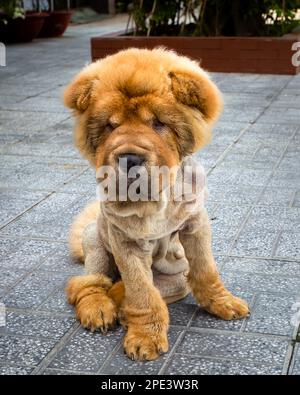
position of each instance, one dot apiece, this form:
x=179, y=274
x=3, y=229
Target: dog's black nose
x=127, y=161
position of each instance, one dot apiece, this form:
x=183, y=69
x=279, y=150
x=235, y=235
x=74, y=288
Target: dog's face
x=151, y=108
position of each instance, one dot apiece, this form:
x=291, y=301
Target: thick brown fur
x=162, y=106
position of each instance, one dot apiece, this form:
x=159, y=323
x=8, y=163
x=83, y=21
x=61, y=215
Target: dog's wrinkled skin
x=162, y=106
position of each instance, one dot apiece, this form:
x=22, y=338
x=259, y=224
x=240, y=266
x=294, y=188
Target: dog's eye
x=157, y=125
x=110, y=127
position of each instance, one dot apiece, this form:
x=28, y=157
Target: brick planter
x=265, y=55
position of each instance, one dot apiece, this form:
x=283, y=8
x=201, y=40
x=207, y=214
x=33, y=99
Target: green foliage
x=214, y=17
x=122, y=5
x=12, y=9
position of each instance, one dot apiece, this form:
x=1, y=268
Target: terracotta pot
x=22, y=30
x=56, y=24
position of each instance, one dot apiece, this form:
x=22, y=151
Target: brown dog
x=155, y=108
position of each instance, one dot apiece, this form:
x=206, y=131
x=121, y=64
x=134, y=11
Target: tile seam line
x=38, y=313
x=34, y=238
x=265, y=258
x=52, y=193
x=226, y=333
x=26, y=210
x=110, y=357
x=26, y=276
x=178, y=341
x=223, y=155
x=288, y=360
x=33, y=337
x=47, y=360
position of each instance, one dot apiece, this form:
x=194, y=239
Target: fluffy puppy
x=154, y=108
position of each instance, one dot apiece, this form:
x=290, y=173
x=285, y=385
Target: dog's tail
x=88, y=215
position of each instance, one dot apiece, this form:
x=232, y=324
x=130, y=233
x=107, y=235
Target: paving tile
x=296, y=202
x=274, y=218
x=50, y=219
x=56, y=302
x=230, y=194
x=44, y=149
x=86, y=351
x=225, y=224
x=29, y=122
x=272, y=315
x=34, y=289
x=37, y=173
x=64, y=372
x=256, y=177
x=277, y=196
x=285, y=179
x=24, y=351
x=120, y=364
x=18, y=201
x=181, y=314
x=227, y=131
x=29, y=89
x=37, y=325
x=281, y=115
x=84, y=184
x=62, y=263
x=289, y=245
x=15, y=371
x=255, y=241
x=271, y=131
x=288, y=163
x=266, y=350
x=8, y=277
x=23, y=255
x=186, y=365
x=255, y=283
x=38, y=104
x=265, y=267
x=247, y=98
x=189, y=300
x=286, y=100
x=230, y=215
x=246, y=87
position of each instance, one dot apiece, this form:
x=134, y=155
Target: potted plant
x=58, y=19
x=18, y=25
x=226, y=35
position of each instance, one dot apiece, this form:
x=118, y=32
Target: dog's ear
x=77, y=94
x=197, y=91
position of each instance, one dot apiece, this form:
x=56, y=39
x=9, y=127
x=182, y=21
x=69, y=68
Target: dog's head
x=151, y=107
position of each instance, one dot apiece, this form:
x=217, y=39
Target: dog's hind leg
x=95, y=309
x=87, y=216
x=203, y=277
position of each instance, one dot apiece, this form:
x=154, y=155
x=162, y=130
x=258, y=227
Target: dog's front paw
x=96, y=312
x=145, y=342
x=228, y=307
